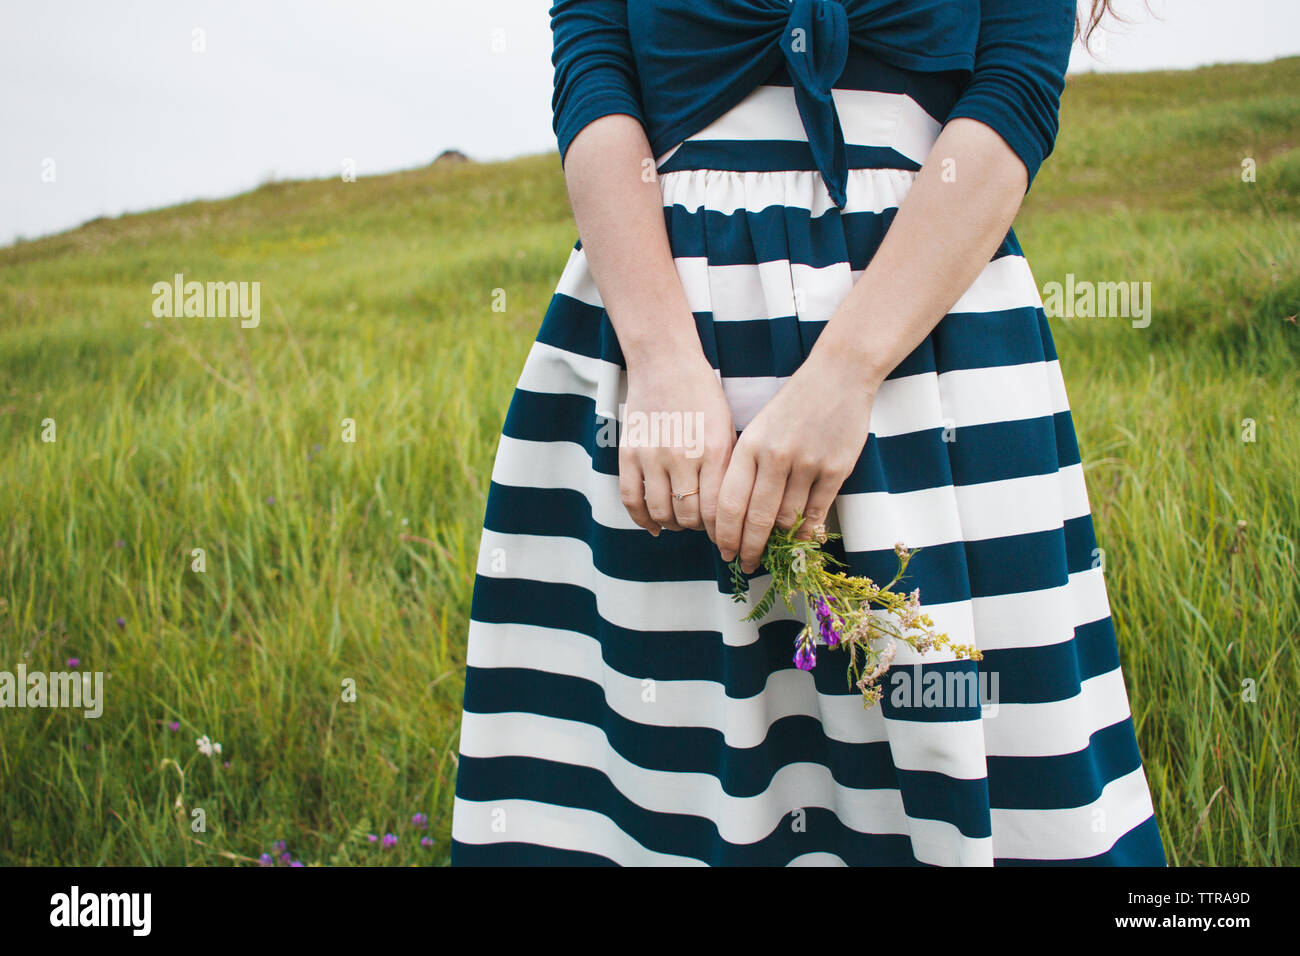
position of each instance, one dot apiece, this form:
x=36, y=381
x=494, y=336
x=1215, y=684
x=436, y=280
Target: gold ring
x=685, y=494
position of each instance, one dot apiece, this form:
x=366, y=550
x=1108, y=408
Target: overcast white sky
x=113, y=93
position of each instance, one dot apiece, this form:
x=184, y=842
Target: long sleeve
x=595, y=74
x=1020, y=62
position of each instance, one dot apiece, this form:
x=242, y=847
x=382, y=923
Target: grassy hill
x=329, y=561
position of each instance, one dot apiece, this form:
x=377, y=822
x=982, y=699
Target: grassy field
x=328, y=561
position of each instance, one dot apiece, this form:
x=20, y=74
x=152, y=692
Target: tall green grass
x=329, y=561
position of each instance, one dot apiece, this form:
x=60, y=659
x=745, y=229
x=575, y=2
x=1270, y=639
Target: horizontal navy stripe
x=1141, y=846
x=771, y=155
x=1013, y=783
x=962, y=340
x=743, y=670
x=521, y=854
x=1050, y=672
x=896, y=463
x=749, y=237
x=953, y=571
x=778, y=233
x=934, y=796
x=1111, y=753
x=677, y=834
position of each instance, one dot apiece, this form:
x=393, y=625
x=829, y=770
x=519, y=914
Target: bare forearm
x=619, y=211
x=945, y=232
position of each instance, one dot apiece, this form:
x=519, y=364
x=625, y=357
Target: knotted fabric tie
x=816, y=47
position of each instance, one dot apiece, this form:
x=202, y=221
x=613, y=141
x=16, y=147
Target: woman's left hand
x=795, y=455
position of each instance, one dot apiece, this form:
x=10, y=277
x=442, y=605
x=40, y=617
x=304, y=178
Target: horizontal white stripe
x=951, y=400
x=1022, y=833
x=954, y=748
x=817, y=859
x=1027, y=619
x=567, y=828
x=993, y=509
x=1077, y=832
x=867, y=118
x=577, y=282
x=964, y=398
x=747, y=396
x=746, y=293
x=663, y=606
x=1015, y=730
x=1005, y=283
x=729, y=191
x=739, y=820
x=743, y=722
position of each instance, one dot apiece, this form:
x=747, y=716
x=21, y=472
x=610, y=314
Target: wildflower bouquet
x=851, y=613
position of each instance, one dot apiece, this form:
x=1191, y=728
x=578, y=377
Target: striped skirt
x=617, y=709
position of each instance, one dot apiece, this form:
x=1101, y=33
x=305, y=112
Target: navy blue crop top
x=677, y=65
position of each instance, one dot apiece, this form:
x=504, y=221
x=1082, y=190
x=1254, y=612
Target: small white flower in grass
x=207, y=747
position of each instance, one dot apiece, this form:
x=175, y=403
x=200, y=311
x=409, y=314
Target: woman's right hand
x=676, y=435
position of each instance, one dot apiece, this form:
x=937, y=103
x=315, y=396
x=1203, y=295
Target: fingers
x=820, y=498
x=711, y=472
x=760, y=516
x=795, y=500
x=659, y=499
x=685, y=476
x=631, y=491
x=733, y=500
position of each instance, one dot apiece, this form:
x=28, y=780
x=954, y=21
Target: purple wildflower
x=121, y=622
x=806, y=657
x=296, y=863
x=279, y=846
x=827, y=624
x=74, y=661
x=831, y=632
x=174, y=725
x=270, y=499
x=372, y=838
x=285, y=857
x=390, y=839
x=425, y=841
x=265, y=860
x=420, y=820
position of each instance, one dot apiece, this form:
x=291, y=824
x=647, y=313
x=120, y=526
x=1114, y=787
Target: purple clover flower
x=390, y=840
